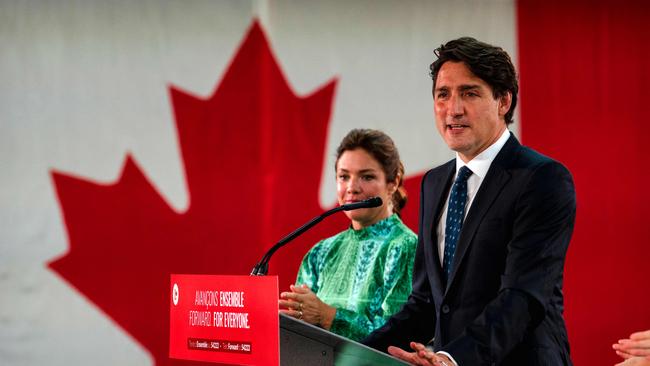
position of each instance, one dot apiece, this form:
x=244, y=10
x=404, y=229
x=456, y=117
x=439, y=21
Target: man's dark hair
x=490, y=63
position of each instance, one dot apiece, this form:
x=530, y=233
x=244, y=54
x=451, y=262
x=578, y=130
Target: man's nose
x=456, y=107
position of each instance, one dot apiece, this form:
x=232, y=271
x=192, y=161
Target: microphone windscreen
x=374, y=202
x=369, y=203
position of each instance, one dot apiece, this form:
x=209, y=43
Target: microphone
x=369, y=203
x=262, y=267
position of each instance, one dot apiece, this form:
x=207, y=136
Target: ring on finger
x=300, y=306
x=299, y=314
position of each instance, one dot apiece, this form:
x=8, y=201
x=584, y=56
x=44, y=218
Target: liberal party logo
x=175, y=294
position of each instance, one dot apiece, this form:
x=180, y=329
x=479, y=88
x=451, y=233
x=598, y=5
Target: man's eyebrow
x=469, y=87
x=463, y=87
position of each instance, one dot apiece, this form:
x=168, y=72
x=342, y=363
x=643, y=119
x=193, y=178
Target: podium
x=234, y=320
x=304, y=344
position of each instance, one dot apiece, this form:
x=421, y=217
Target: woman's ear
x=392, y=186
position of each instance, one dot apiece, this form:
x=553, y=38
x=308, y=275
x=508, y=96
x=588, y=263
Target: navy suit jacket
x=503, y=303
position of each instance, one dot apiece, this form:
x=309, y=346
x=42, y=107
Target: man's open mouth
x=456, y=127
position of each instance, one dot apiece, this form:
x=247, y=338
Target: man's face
x=468, y=117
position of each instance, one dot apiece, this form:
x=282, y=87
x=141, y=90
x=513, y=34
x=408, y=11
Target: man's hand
x=421, y=356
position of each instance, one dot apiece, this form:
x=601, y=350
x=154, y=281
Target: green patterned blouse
x=365, y=274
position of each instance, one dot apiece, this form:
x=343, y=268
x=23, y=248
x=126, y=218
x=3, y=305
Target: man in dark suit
x=495, y=224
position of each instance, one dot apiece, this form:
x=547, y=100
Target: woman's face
x=358, y=177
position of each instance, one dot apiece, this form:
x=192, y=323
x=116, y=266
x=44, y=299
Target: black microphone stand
x=262, y=267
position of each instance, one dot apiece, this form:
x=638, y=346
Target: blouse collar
x=379, y=228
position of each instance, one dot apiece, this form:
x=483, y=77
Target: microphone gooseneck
x=262, y=267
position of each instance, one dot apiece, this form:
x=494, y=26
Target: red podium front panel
x=225, y=319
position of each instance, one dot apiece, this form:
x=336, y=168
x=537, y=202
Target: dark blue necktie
x=455, y=215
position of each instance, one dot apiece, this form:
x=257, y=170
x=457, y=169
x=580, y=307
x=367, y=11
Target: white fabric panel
x=85, y=82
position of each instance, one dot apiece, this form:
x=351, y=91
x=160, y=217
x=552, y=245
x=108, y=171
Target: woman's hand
x=301, y=303
x=638, y=345
x=635, y=361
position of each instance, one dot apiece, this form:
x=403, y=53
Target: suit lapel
x=439, y=189
x=494, y=181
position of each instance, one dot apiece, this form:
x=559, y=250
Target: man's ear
x=505, y=101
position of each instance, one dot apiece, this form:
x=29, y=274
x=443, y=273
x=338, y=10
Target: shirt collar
x=481, y=163
x=377, y=229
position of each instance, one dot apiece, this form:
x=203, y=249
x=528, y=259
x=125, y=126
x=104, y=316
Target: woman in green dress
x=353, y=282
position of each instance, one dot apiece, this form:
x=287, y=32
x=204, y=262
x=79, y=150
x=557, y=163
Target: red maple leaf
x=253, y=155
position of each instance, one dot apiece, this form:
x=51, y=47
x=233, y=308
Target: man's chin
x=457, y=146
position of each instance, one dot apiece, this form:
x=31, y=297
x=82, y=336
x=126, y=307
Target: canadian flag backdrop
x=139, y=139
